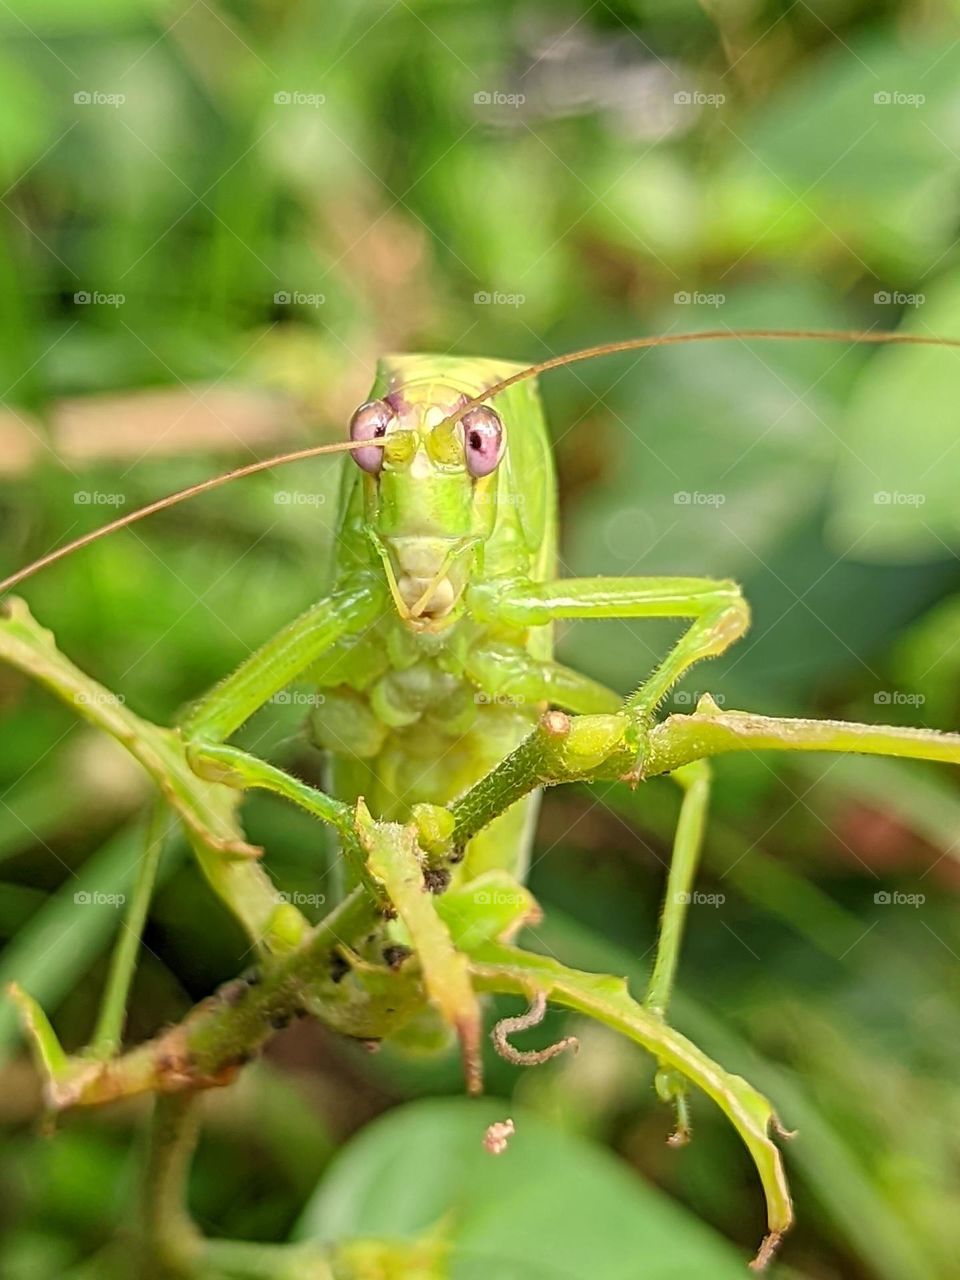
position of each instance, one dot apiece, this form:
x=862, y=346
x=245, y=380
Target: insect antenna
x=853, y=336
x=171, y=500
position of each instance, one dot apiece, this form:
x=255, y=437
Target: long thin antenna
x=172, y=499
x=852, y=336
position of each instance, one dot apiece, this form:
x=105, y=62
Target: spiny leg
x=719, y=612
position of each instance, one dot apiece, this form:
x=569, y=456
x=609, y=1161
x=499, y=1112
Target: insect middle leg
x=720, y=616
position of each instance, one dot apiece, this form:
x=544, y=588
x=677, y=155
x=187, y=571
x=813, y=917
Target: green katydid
x=444, y=711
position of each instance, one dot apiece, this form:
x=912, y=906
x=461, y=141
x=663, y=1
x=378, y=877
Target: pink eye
x=482, y=440
x=370, y=422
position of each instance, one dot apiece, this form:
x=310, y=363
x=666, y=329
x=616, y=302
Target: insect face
x=427, y=492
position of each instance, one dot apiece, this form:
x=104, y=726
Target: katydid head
x=455, y=440
x=427, y=489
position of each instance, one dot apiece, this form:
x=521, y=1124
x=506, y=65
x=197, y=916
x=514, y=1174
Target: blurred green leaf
x=551, y=1206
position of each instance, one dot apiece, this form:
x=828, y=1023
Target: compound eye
x=482, y=440
x=370, y=422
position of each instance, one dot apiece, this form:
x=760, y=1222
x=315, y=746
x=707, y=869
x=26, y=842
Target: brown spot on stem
x=556, y=724
x=395, y=954
x=436, y=879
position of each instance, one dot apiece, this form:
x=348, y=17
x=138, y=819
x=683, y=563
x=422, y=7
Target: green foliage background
x=288, y=189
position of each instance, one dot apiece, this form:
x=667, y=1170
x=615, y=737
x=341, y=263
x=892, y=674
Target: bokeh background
x=213, y=217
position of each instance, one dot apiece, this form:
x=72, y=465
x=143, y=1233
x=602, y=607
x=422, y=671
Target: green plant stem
x=609, y=748
x=221, y=1033
x=108, y=1034
x=169, y=1239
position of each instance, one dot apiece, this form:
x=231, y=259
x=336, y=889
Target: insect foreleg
x=719, y=612
x=281, y=660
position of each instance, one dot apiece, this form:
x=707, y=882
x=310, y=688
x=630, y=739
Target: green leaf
x=896, y=492
x=551, y=1207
